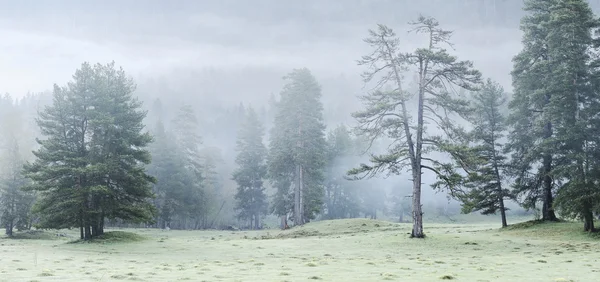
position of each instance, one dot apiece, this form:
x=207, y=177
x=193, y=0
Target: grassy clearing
x=341, y=250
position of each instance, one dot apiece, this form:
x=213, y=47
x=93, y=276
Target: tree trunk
x=81, y=234
x=284, y=224
x=417, y=168
x=87, y=231
x=9, y=228
x=297, y=214
x=503, y=212
x=417, y=231
x=302, y=217
x=588, y=218
x=95, y=229
x=101, y=224
x=547, y=197
x=257, y=221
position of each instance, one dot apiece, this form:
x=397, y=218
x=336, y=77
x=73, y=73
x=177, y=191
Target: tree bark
x=417, y=231
x=503, y=212
x=302, y=217
x=87, y=231
x=588, y=218
x=9, y=228
x=547, y=197
x=297, y=213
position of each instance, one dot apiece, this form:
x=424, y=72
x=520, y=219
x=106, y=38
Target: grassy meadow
x=339, y=250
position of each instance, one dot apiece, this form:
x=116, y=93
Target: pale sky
x=43, y=42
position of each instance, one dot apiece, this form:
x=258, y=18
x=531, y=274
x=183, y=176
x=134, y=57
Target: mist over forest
x=267, y=140
x=216, y=55
x=221, y=57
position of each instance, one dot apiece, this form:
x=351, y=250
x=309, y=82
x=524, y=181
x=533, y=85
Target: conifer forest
x=324, y=135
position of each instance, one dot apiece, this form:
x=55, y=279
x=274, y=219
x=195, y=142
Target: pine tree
x=90, y=166
x=554, y=111
x=168, y=167
x=530, y=140
x=387, y=112
x=485, y=191
x=15, y=205
x=186, y=127
x=342, y=197
x=573, y=107
x=252, y=170
x=297, y=148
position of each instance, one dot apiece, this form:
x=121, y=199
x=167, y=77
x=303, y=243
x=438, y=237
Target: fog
x=215, y=55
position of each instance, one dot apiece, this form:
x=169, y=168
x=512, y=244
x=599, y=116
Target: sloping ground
x=341, y=227
x=562, y=230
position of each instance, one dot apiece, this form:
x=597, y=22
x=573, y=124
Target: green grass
x=339, y=250
x=34, y=235
x=114, y=237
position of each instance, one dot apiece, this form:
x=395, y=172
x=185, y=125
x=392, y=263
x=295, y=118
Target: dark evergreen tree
x=530, y=140
x=251, y=172
x=485, y=191
x=90, y=166
x=572, y=46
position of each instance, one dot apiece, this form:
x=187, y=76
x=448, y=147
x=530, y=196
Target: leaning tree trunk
x=503, y=211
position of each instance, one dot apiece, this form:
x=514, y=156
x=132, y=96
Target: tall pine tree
x=530, y=140
x=297, y=148
x=574, y=107
x=90, y=166
x=387, y=111
x=251, y=172
x=485, y=188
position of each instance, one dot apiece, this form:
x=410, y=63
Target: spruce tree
x=530, y=139
x=574, y=106
x=387, y=111
x=485, y=191
x=15, y=204
x=90, y=166
x=251, y=172
x=168, y=167
x=554, y=111
x=186, y=127
x=297, y=148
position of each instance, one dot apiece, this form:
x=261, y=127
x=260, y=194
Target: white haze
x=227, y=52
